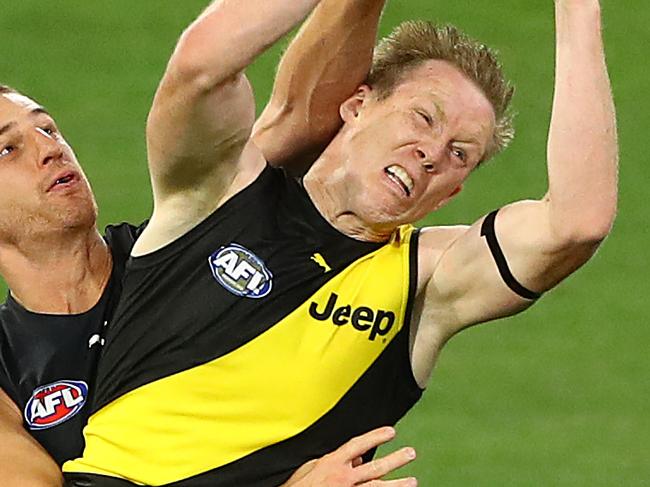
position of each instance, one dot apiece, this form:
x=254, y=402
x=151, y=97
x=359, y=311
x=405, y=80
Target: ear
x=446, y=200
x=351, y=107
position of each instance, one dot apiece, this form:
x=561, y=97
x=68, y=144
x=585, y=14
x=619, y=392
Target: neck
x=57, y=274
x=325, y=184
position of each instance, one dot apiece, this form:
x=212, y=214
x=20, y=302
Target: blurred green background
x=556, y=396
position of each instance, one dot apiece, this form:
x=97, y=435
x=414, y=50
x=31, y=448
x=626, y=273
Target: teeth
x=399, y=173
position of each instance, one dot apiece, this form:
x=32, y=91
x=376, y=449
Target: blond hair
x=414, y=42
x=6, y=89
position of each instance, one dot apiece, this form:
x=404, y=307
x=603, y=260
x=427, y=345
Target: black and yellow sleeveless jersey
x=259, y=340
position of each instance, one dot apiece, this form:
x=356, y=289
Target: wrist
x=577, y=15
x=578, y=5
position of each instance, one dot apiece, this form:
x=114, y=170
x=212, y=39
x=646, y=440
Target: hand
x=344, y=467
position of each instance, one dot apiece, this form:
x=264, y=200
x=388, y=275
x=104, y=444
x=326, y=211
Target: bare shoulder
x=177, y=215
x=432, y=244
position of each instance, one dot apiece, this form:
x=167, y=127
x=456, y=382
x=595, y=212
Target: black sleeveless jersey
x=48, y=362
x=260, y=339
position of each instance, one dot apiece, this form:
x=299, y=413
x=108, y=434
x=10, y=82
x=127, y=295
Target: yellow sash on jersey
x=266, y=391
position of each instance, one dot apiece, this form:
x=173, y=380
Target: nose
x=426, y=157
x=50, y=149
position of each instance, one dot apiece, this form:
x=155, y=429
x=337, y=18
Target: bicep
x=325, y=63
x=482, y=280
x=196, y=133
x=289, y=141
x=23, y=462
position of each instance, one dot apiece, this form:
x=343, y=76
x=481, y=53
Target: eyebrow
x=36, y=111
x=40, y=110
x=7, y=127
x=440, y=112
x=469, y=141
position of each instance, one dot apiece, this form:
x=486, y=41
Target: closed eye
x=426, y=117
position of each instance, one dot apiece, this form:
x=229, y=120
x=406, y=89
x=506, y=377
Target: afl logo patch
x=55, y=403
x=241, y=272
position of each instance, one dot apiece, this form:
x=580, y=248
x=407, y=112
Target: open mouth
x=399, y=175
x=63, y=180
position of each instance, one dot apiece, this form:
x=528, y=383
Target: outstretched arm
x=324, y=64
x=23, y=462
x=344, y=468
x=544, y=241
x=199, y=126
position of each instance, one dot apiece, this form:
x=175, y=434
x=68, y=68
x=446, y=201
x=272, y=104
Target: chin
x=79, y=217
x=380, y=219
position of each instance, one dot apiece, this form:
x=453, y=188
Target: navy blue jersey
x=48, y=362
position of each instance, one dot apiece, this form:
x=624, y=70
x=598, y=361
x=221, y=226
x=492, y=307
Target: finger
x=359, y=445
x=376, y=469
x=408, y=482
x=357, y=461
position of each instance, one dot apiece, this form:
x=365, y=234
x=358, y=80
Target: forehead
x=21, y=101
x=15, y=104
x=445, y=85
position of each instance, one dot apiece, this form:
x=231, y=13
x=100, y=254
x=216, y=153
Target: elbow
x=597, y=226
x=588, y=239
x=185, y=67
x=584, y=232
x=190, y=69
x=578, y=221
x=600, y=230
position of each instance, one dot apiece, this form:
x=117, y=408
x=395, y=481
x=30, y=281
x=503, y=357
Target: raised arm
x=202, y=115
x=23, y=462
x=544, y=241
x=324, y=64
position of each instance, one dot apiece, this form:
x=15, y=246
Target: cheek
x=456, y=177
x=441, y=189
x=16, y=208
x=71, y=156
x=15, y=187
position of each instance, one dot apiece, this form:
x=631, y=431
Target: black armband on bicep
x=487, y=231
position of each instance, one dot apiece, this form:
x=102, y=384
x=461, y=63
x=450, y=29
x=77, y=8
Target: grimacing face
x=409, y=153
x=44, y=188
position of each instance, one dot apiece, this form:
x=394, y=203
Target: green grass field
x=556, y=396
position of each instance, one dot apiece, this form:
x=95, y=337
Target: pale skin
x=344, y=466
x=328, y=58
x=51, y=254
x=433, y=130
x=576, y=225
x=70, y=276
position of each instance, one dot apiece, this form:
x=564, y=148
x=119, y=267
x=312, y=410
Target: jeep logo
x=362, y=318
